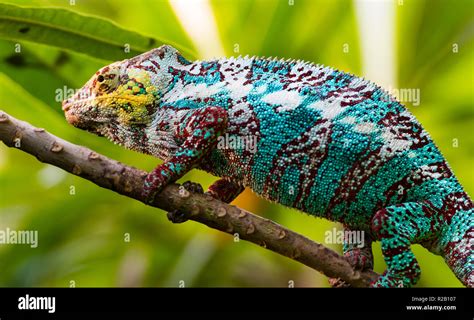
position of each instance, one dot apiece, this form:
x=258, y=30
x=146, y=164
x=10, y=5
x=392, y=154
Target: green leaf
x=19, y=103
x=77, y=32
x=44, y=70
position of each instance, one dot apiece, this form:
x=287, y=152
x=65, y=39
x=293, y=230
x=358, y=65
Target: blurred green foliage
x=67, y=30
x=83, y=229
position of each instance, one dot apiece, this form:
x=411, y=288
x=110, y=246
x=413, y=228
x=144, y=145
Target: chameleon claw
x=338, y=283
x=358, y=261
x=178, y=216
x=149, y=197
x=193, y=187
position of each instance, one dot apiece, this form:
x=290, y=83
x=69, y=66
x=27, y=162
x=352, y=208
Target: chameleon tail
x=458, y=238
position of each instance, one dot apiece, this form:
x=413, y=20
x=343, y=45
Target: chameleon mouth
x=96, y=127
x=80, y=121
x=71, y=117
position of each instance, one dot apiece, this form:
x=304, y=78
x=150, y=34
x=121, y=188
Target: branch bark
x=128, y=181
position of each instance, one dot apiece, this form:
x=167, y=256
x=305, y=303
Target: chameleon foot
x=154, y=183
x=393, y=280
x=178, y=216
x=338, y=283
x=358, y=260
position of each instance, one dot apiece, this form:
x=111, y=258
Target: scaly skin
x=326, y=142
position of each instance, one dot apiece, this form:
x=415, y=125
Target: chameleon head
x=122, y=94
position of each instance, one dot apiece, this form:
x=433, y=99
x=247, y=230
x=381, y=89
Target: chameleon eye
x=107, y=81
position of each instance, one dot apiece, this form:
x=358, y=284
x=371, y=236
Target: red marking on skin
x=391, y=252
x=252, y=125
x=238, y=113
x=457, y=256
x=206, y=119
x=321, y=155
x=411, y=180
x=352, y=96
x=156, y=64
x=161, y=54
x=313, y=80
x=147, y=68
x=404, y=129
x=453, y=203
x=378, y=223
x=304, y=75
x=354, y=180
x=248, y=76
x=300, y=148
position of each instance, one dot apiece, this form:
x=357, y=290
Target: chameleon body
x=325, y=142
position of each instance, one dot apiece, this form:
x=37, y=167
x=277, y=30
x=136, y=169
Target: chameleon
x=322, y=141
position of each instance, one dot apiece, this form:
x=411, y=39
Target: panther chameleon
x=327, y=143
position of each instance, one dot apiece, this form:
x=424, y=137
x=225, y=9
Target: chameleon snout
x=72, y=118
x=66, y=105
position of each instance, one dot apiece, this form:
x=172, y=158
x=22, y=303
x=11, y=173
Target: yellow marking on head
x=127, y=101
x=128, y=106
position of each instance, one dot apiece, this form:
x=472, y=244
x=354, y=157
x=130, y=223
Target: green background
x=82, y=235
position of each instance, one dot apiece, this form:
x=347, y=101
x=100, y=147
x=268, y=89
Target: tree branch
x=128, y=181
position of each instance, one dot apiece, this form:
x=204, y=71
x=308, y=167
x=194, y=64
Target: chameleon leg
x=360, y=257
x=223, y=190
x=198, y=135
x=397, y=227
